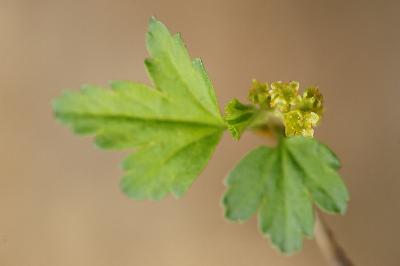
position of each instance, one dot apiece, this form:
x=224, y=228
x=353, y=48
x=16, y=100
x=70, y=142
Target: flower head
x=259, y=94
x=299, y=114
x=284, y=95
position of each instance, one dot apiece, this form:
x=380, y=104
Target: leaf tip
x=153, y=19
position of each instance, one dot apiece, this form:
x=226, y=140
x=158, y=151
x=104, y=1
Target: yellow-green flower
x=299, y=114
x=284, y=95
x=300, y=123
x=312, y=101
x=259, y=94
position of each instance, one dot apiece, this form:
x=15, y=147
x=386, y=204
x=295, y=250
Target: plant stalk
x=329, y=247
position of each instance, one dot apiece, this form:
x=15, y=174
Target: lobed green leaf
x=174, y=126
x=280, y=184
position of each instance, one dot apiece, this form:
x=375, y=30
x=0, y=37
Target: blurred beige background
x=60, y=204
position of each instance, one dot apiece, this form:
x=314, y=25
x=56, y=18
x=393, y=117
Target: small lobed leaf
x=174, y=126
x=238, y=117
x=280, y=184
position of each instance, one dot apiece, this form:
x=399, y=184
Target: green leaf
x=281, y=184
x=174, y=127
x=239, y=116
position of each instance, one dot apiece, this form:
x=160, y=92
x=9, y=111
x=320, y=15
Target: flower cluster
x=299, y=113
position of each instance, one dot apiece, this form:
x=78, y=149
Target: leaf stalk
x=334, y=254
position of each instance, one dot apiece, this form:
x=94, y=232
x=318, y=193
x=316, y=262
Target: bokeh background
x=60, y=202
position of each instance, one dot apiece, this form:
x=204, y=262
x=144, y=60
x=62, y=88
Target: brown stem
x=330, y=248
